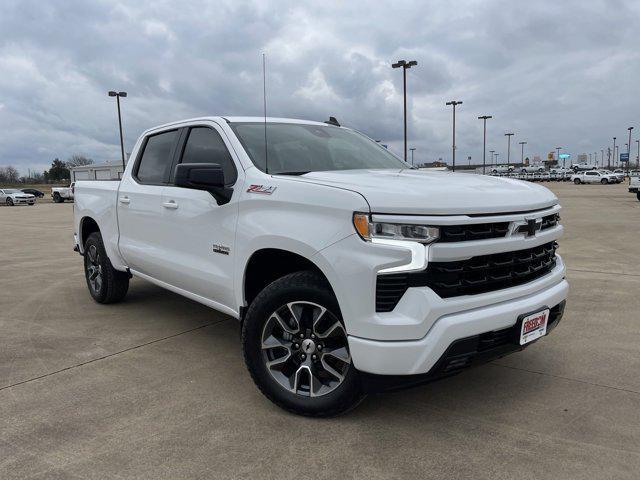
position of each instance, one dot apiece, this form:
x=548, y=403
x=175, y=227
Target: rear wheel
x=105, y=283
x=604, y=181
x=295, y=347
x=638, y=195
x=577, y=181
x=57, y=198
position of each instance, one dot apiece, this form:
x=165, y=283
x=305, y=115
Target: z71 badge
x=263, y=189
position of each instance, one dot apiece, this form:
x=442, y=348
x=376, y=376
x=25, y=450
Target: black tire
x=113, y=284
x=638, y=195
x=604, y=181
x=299, y=288
x=9, y=202
x=57, y=198
x=577, y=181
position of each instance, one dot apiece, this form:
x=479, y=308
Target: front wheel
x=106, y=284
x=604, y=181
x=57, y=198
x=638, y=195
x=577, y=181
x=295, y=347
x=9, y=202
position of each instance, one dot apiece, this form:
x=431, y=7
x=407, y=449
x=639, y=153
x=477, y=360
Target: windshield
x=300, y=148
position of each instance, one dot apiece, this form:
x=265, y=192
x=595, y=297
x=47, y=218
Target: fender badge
x=263, y=189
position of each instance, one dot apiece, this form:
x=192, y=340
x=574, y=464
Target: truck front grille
x=479, y=231
x=482, y=274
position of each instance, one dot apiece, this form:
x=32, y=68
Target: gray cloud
x=555, y=73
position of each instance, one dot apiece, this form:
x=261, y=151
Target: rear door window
x=156, y=160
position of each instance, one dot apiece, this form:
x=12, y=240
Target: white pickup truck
x=350, y=271
x=595, y=176
x=634, y=186
x=60, y=194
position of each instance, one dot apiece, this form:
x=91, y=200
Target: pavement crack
x=585, y=382
x=157, y=340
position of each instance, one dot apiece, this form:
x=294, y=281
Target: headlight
x=369, y=230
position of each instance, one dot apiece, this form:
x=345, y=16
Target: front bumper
x=24, y=201
x=460, y=355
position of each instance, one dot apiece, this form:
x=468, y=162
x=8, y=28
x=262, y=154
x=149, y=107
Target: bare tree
x=9, y=175
x=78, y=161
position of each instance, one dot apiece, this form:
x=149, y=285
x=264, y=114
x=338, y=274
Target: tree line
x=59, y=171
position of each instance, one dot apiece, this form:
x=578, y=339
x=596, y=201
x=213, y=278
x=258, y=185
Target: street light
x=522, y=144
x=413, y=149
x=558, y=156
x=614, y=153
x=508, y=135
x=454, y=103
x=484, y=141
x=405, y=66
x=638, y=157
x=602, y=158
x=629, y=150
x=118, y=95
x=496, y=154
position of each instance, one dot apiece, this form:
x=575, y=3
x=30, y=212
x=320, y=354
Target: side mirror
x=203, y=176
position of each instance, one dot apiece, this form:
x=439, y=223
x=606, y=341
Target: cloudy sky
x=557, y=73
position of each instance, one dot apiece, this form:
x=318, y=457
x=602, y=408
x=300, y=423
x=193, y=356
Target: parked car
x=532, y=169
x=60, y=194
x=502, y=168
x=560, y=171
x=634, y=186
x=594, y=176
x=582, y=167
x=13, y=196
x=33, y=191
x=349, y=271
x=620, y=174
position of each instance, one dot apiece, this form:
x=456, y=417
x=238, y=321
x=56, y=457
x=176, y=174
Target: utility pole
x=413, y=149
x=522, y=144
x=484, y=141
x=508, y=135
x=614, y=153
x=118, y=95
x=405, y=66
x=454, y=103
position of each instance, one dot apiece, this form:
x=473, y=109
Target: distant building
x=97, y=171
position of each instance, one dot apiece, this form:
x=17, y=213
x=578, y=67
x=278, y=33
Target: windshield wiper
x=301, y=172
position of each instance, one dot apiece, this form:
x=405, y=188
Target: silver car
x=13, y=196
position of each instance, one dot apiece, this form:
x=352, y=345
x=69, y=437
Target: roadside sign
x=624, y=157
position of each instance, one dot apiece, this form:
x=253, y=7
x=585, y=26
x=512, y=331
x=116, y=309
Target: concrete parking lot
x=155, y=387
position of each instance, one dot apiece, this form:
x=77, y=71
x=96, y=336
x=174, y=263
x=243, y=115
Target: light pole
x=405, y=66
x=491, y=159
x=118, y=95
x=413, y=149
x=638, y=157
x=484, y=141
x=496, y=154
x=629, y=150
x=508, y=135
x=616, y=156
x=522, y=144
x=453, y=148
x=602, y=159
x=613, y=153
x=558, y=156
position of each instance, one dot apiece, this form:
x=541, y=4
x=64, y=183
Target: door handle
x=124, y=200
x=170, y=204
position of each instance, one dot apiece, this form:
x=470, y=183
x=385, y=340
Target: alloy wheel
x=94, y=269
x=305, y=350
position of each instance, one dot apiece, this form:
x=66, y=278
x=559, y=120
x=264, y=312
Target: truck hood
x=437, y=193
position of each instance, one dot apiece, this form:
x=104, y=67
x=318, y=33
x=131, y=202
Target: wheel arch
x=266, y=265
x=87, y=226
